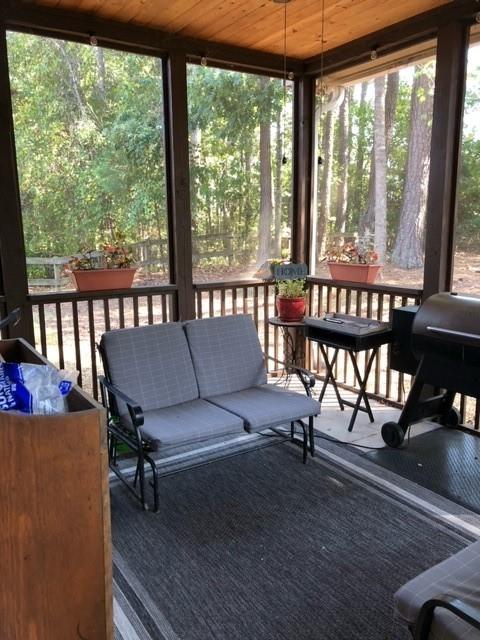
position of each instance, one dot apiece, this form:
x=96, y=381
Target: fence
x=148, y=254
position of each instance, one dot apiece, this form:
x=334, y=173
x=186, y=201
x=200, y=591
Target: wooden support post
x=12, y=248
x=303, y=122
x=450, y=80
x=178, y=177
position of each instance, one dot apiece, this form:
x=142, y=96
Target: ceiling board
x=257, y=24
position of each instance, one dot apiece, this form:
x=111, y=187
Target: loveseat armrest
x=459, y=608
x=306, y=377
x=134, y=409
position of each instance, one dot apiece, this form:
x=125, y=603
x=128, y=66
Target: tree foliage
x=89, y=128
x=409, y=133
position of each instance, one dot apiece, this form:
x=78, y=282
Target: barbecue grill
x=446, y=341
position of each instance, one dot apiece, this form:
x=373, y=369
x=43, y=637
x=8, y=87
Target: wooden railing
x=68, y=326
x=258, y=298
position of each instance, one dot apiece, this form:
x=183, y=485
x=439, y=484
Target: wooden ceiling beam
x=77, y=26
x=395, y=37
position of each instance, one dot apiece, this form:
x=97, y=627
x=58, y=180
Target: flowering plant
x=350, y=252
x=114, y=255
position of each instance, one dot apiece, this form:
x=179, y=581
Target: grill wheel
x=452, y=419
x=392, y=434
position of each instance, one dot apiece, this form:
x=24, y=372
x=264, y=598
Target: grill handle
x=453, y=333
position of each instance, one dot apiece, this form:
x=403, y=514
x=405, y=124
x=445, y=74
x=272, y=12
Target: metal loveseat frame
x=129, y=422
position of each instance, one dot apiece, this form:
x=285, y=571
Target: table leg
x=329, y=367
x=362, y=393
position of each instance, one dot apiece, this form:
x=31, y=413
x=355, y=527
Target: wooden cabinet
x=55, y=544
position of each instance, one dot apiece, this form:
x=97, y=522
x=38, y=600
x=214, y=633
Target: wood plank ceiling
x=258, y=24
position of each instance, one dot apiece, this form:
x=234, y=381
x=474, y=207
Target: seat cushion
x=151, y=364
x=458, y=576
x=447, y=626
x=267, y=405
x=186, y=423
x=226, y=353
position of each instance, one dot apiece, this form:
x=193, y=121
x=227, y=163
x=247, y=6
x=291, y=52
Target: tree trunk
x=391, y=97
x=265, y=220
x=357, y=196
x=367, y=221
x=277, y=243
x=325, y=184
x=408, y=250
x=99, y=54
x=343, y=160
x=380, y=164
x=73, y=73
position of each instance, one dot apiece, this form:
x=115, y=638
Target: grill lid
x=447, y=318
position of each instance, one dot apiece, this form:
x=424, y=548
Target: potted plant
x=110, y=268
x=290, y=300
x=352, y=263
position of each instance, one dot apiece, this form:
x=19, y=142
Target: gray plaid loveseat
x=174, y=384
x=443, y=603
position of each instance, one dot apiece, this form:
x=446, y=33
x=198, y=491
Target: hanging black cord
x=322, y=51
x=284, y=157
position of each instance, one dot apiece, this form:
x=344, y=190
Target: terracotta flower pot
x=103, y=279
x=354, y=272
x=290, y=309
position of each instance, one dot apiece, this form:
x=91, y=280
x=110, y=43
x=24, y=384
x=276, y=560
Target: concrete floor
x=334, y=422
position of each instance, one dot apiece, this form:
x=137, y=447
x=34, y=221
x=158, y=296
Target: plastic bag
x=33, y=388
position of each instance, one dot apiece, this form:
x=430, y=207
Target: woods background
x=89, y=132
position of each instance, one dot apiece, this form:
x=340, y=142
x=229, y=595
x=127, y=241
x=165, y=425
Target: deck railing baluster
x=136, y=319
x=211, y=305
x=391, y=304
x=93, y=351
x=234, y=301
x=222, y=302
x=121, y=313
x=463, y=407
x=266, y=326
x=150, y=309
x=58, y=314
x=255, y=306
x=76, y=340
x=43, y=331
x=381, y=351
x=199, y=304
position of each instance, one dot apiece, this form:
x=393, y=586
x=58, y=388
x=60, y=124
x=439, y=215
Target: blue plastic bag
x=33, y=388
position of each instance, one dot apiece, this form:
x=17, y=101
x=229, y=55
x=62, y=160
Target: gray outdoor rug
x=262, y=547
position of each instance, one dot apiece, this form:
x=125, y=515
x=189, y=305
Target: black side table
x=353, y=345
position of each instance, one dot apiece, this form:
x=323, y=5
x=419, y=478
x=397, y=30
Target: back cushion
x=151, y=364
x=226, y=353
